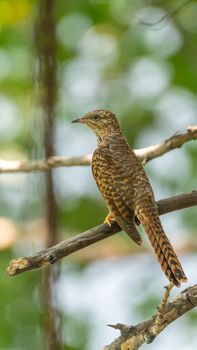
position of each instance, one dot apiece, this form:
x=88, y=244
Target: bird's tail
x=162, y=247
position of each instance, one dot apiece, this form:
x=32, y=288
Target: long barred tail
x=162, y=247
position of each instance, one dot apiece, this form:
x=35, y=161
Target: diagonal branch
x=73, y=244
x=175, y=141
x=144, y=154
x=132, y=337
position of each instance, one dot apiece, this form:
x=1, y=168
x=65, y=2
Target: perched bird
x=126, y=190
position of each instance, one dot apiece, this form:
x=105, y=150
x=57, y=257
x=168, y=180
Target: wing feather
x=116, y=188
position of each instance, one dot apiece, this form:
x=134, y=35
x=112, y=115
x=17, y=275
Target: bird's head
x=101, y=121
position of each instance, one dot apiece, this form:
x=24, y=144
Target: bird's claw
x=109, y=220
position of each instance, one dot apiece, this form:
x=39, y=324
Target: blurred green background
x=136, y=59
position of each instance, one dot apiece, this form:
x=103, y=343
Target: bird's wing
x=115, y=186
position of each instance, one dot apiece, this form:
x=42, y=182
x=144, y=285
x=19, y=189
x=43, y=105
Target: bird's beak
x=78, y=120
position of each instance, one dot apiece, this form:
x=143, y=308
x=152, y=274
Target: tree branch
x=132, y=337
x=144, y=154
x=73, y=244
x=175, y=141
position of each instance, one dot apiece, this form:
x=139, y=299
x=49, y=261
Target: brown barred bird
x=126, y=190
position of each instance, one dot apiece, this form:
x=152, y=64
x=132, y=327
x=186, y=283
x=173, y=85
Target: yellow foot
x=109, y=219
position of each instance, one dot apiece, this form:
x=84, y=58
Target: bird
x=125, y=187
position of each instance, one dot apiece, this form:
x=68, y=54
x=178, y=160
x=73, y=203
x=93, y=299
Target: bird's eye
x=95, y=117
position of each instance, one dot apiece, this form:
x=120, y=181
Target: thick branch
x=132, y=337
x=73, y=244
x=144, y=154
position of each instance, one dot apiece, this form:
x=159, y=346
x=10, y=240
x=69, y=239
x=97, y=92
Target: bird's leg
x=161, y=310
x=109, y=219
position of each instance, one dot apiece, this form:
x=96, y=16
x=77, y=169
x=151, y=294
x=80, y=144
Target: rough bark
x=133, y=337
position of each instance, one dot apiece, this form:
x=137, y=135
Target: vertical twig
x=161, y=310
x=46, y=50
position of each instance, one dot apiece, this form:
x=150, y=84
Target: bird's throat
x=109, y=138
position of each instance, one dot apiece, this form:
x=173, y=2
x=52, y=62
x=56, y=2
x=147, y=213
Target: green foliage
x=20, y=313
x=86, y=208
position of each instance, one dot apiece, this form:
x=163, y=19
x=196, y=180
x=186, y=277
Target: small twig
x=161, y=311
x=124, y=329
x=164, y=18
x=73, y=244
x=144, y=154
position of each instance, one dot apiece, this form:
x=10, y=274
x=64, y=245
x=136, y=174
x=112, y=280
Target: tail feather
x=162, y=247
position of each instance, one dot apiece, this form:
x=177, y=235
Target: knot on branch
x=191, y=295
